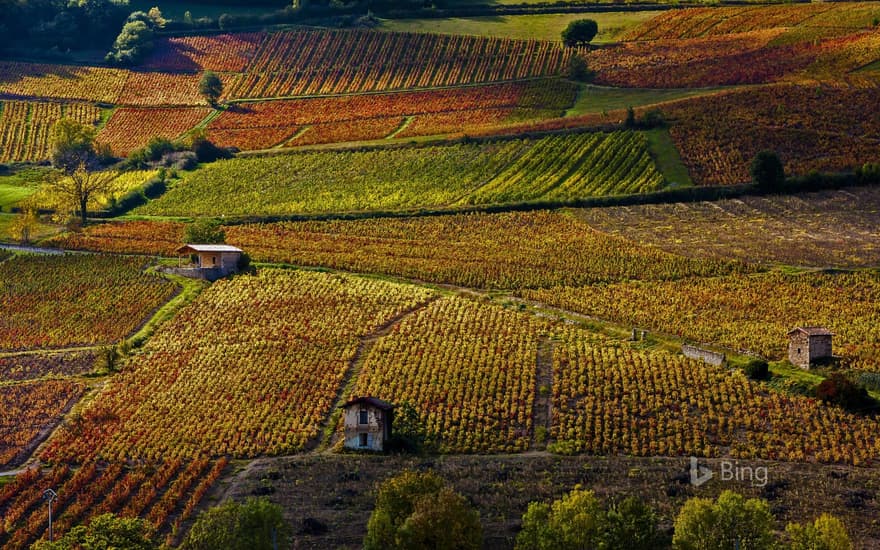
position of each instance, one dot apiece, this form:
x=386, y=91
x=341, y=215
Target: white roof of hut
x=207, y=248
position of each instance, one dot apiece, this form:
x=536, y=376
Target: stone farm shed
x=214, y=261
x=367, y=423
x=809, y=345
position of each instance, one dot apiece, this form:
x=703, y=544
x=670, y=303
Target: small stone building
x=367, y=423
x=809, y=345
x=214, y=261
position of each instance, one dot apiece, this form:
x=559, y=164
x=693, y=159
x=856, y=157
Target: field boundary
x=793, y=186
x=542, y=406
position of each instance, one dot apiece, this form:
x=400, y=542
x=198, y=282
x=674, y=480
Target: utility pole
x=49, y=496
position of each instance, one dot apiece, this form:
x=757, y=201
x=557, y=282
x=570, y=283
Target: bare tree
x=74, y=153
x=80, y=188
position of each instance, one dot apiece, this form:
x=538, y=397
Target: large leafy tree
x=826, y=533
x=255, y=524
x=632, y=524
x=72, y=144
x=728, y=523
x=104, y=532
x=415, y=510
x=577, y=520
x=211, y=87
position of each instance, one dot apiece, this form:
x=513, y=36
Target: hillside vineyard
x=441, y=275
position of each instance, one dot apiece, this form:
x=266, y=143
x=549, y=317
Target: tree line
x=418, y=510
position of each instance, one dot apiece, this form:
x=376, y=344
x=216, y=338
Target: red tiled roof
x=812, y=331
x=378, y=403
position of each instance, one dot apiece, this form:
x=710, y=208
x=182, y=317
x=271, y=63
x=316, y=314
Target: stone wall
x=711, y=357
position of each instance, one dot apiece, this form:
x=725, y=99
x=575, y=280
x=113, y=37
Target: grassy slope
x=600, y=99
x=6, y=228
x=666, y=156
x=10, y=195
x=19, y=185
x=540, y=27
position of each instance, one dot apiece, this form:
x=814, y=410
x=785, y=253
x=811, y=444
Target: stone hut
x=367, y=423
x=809, y=345
x=214, y=261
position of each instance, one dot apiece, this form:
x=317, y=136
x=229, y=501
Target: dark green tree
x=134, y=42
x=409, y=433
x=211, y=87
x=105, y=532
x=632, y=524
x=255, y=524
x=757, y=369
x=580, y=32
x=415, y=510
x=630, y=121
x=767, y=171
x=206, y=150
x=578, y=69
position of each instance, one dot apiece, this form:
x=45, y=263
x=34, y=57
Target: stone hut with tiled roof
x=809, y=345
x=367, y=423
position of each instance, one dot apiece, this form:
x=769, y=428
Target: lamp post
x=49, y=496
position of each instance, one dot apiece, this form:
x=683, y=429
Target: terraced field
x=260, y=125
x=824, y=229
x=68, y=301
x=131, y=128
x=512, y=250
x=25, y=127
x=825, y=128
x=742, y=312
x=281, y=392
x=378, y=61
x=505, y=331
x=552, y=168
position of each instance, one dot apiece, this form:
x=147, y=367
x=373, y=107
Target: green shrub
x=580, y=32
x=839, y=390
x=757, y=369
x=767, y=171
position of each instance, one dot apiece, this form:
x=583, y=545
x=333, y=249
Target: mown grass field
x=19, y=185
x=612, y=26
x=593, y=99
x=10, y=195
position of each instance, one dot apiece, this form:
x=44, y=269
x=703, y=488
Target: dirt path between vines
x=328, y=435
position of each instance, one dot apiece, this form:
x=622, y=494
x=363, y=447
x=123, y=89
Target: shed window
x=362, y=440
x=363, y=418
x=213, y=260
